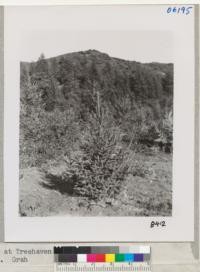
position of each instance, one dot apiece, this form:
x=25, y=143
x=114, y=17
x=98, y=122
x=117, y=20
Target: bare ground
x=146, y=193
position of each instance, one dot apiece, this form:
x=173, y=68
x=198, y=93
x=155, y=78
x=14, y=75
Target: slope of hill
x=116, y=79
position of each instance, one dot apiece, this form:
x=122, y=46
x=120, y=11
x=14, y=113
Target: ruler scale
x=102, y=259
x=88, y=267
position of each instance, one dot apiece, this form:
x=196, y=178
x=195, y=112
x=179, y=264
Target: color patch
x=84, y=250
x=144, y=249
x=119, y=257
x=69, y=250
x=138, y=257
x=110, y=258
x=129, y=257
x=91, y=258
x=82, y=258
x=102, y=250
x=124, y=249
x=65, y=258
x=147, y=257
x=100, y=258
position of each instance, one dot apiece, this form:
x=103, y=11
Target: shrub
x=101, y=165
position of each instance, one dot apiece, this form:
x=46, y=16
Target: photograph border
x=160, y=246
x=184, y=81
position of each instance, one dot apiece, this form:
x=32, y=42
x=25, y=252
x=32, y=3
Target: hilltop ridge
x=144, y=83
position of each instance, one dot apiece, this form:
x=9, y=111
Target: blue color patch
x=128, y=257
x=139, y=257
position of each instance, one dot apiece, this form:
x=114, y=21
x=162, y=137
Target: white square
x=82, y=258
x=145, y=249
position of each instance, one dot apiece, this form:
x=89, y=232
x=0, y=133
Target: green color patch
x=119, y=258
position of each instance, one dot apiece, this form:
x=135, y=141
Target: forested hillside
x=95, y=110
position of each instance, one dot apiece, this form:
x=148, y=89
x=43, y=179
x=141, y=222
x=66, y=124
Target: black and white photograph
x=99, y=124
x=96, y=128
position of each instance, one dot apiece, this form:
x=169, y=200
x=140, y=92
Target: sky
x=142, y=46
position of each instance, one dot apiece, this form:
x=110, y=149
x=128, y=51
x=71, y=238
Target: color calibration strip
x=101, y=254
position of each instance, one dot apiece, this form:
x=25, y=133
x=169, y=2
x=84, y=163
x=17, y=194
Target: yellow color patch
x=110, y=258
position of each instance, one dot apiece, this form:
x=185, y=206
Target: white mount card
x=99, y=123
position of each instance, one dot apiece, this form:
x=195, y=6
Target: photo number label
x=157, y=224
x=180, y=10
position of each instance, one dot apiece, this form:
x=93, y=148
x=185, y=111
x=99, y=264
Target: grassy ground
x=148, y=192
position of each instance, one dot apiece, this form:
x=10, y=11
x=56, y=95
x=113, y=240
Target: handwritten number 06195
x=179, y=10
